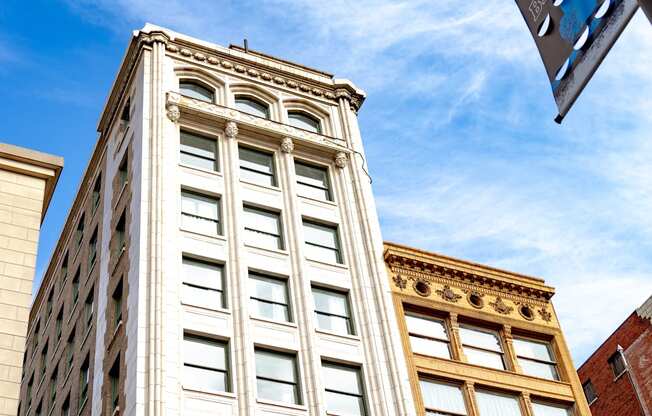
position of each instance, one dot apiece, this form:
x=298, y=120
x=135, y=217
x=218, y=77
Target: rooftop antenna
x=246, y=45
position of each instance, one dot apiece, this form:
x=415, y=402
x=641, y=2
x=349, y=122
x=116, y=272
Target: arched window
x=196, y=90
x=304, y=121
x=251, y=106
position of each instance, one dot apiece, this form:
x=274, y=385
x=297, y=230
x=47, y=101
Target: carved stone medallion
x=400, y=282
x=501, y=307
x=231, y=130
x=545, y=315
x=341, y=160
x=287, y=145
x=448, y=294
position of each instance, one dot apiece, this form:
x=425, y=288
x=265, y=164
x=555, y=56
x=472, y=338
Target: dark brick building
x=617, y=378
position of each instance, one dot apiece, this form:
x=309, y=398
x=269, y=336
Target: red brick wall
x=639, y=356
x=617, y=397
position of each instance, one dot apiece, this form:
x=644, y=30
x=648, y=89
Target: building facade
x=27, y=181
x=479, y=341
x=223, y=253
x=617, y=377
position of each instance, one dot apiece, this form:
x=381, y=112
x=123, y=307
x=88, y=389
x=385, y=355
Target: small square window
x=203, y=284
x=312, y=181
x=589, y=392
x=198, y=151
x=276, y=376
x=257, y=167
x=269, y=297
x=617, y=363
x=263, y=228
x=200, y=213
x=322, y=242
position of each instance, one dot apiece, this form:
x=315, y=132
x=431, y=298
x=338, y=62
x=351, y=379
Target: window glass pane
x=484, y=358
x=443, y=397
x=268, y=288
x=275, y=366
x=481, y=339
x=331, y=302
x=251, y=106
x=325, y=255
x=204, y=379
x=334, y=324
x=428, y=347
x=202, y=274
x=198, y=151
x=493, y=404
x=304, y=121
x=204, y=298
x=342, y=404
x=204, y=352
x=428, y=327
x=312, y=192
x=537, y=369
x=257, y=239
x=342, y=379
x=256, y=167
x=311, y=175
x=541, y=409
x=320, y=235
x=265, y=221
x=278, y=392
x=199, y=205
x=194, y=90
x=532, y=349
x=270, y=311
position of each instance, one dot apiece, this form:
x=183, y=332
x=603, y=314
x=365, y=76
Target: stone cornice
x=415, y=264
x=177, y=102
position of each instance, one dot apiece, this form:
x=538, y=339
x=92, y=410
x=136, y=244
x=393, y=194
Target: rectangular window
x=344, y=391
x=428, y=336
x=75, y=289
x=114, y=377
x=39, y=408
x=549, y=409
x=203, y=284
x=64, y=272
x=65, y=409
x=589, y=392
x=92, y=250
x=263, y=228
x=332, y=311
x=536, y=358
x=482, y=347
x=257, y=167
x=276, y=377
x=617, y=363
x=200, y=213
x=312, y=181
x=48, y=304
x=199, y=152
x=205, y=364
x=322, y=242
x=84, y=379
x=497, y=404
x=70, y=351
x=79, y=234
x=59, y=324
x=442, y=398
x=269, y=297
x=88, y=311
x=30, y=386
x=97, y=189
x=54, y=387
x=121, y=234
x=37, y=336
x=123, y=172
x=44, y=362
x=117, y=305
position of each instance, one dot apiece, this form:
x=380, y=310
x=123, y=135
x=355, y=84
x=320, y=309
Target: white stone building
x=225, y=246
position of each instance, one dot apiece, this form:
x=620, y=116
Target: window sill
x=194, y=169
x=56, y=347
x=348, y=337
x=52, y=407
x=120, y=194
x=116, y=411
x=292, y=406
x=271, y=321
x=276, y=251
x=88, y=332
x=221, y=311
x=65, y=380
x=619, y=376
x=114, y=335
x=258, y=187
x=218, y=237
x=119, y=258
x=81, y=406
x=341, y=266
x=225, y=394
x=593, y=401
x=326, y=203
x=72, y=311
x=91, y=268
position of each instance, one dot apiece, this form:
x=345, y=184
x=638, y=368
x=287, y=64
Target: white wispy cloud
x=460, y=139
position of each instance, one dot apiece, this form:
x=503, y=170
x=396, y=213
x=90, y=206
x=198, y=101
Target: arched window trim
x=205, y=79
x=201, y=84
x=311, y=109
x=254, y=99
x=308, y=115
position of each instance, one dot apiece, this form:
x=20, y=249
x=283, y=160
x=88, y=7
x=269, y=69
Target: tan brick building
x=27, y=181
x=479, y=341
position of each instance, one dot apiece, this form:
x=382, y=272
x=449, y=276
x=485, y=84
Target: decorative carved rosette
x=287, y=145
x=400, y=282
x=341, y=160
x=448, y=294
x=501, y=307
x=231, y=130
x=545, y=315
x=172, y=106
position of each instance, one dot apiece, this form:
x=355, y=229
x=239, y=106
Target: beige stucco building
x=27, y=181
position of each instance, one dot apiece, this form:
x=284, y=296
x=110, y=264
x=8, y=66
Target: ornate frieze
x=501, y=307
x=448, y=294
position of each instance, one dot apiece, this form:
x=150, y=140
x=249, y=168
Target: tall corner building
x=480, y=341
x=223, y=255
x=27, y=182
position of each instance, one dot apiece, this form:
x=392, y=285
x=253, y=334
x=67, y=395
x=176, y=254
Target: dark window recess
x=617, y=363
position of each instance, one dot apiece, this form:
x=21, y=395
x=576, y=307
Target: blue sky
x=458, y=127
